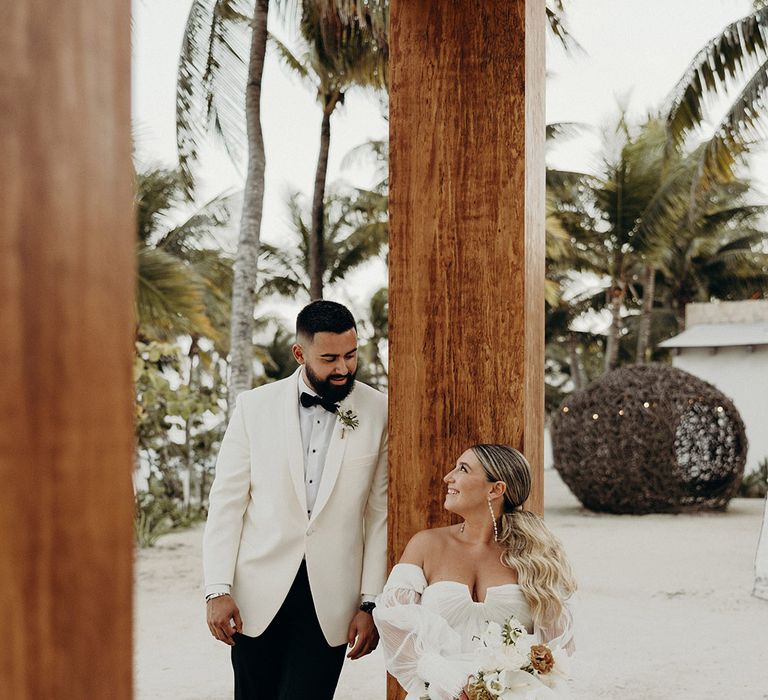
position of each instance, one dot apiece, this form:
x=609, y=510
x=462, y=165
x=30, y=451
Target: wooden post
x=67, y=247
x=466, y=245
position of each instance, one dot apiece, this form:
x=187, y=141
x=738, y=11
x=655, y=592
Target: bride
x=452, y=581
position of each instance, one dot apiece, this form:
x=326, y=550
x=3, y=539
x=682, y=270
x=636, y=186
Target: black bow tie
x=308, y=400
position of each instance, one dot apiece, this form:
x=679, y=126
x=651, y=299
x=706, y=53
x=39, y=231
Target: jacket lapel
x=333, y=459
x=293, y=442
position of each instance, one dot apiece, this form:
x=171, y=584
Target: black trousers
x=290, y=660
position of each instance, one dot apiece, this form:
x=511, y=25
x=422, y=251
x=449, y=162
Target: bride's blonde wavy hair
x=543, y=571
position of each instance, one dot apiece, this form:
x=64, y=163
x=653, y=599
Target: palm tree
x=350, y=239
x=738, y=54
x=645, y=201
x=183, y=278
x=184, y=287
x=568, y=228
x=372, y=351
x=721, y=254
x=633, y=226
x=335, y=58
x=609, y=211
x=621, y=222
x=222, y=61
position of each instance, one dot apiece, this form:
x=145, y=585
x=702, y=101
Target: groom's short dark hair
x=323, y=316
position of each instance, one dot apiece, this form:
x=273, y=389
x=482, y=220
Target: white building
x=726, y=344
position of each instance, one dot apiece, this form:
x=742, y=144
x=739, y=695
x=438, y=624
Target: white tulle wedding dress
x=431, y=633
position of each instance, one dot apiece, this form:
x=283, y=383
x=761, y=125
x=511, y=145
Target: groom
x=295, y=544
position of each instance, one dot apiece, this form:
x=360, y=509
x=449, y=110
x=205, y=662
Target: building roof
x=746, y=311
x=720, y=335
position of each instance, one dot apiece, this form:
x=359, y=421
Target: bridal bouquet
x=514, y=667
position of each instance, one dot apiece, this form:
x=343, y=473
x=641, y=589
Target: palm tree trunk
x=189, y=453
x=614, y=331
x=316, y=241
x=246, y=261
x=201, y=488
x=576, y=375
x=678, y=307
x=644, y=331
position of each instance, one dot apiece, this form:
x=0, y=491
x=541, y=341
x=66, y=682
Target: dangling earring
x=493, y=520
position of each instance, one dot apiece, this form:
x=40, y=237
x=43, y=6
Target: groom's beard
x=331, y=392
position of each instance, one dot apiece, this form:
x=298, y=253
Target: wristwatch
x=368, y=607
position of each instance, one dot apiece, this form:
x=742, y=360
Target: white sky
x=635, y=51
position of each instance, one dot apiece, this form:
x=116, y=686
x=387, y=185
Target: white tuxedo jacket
x=258, y=529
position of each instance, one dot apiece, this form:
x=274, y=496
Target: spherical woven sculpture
x=649, y=439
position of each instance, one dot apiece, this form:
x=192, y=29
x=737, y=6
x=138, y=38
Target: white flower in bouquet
x=493, y=684
x=493, y=636
x=513, y=666
x=513, y=658
x=524, y=686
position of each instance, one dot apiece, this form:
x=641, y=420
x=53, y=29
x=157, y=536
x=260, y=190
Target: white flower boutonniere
x=348, y=419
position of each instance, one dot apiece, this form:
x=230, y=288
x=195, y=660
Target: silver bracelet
x=211, y=596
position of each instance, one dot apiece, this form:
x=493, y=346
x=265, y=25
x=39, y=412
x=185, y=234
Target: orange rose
x=541, y=658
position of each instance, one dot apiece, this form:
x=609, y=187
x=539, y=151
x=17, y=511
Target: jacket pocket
x=360, y=462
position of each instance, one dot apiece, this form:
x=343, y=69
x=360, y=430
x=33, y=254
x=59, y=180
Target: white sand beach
x=665, y=610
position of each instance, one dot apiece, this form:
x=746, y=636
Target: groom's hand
x=223, y=618
x=362, y=629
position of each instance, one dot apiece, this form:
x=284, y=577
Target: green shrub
x=151, y=519
x=755, y=484
x=157, y=515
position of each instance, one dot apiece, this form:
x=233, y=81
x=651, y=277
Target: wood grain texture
x=466, y=245
x=66, y=322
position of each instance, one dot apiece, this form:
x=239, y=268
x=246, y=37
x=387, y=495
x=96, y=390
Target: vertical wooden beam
x=466, y=244
x=66, y=323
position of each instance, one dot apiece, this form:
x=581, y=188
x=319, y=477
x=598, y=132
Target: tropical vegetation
x=664, y=220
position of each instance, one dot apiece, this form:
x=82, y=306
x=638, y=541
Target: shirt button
x=313, y=451
x=318, y=422
x=310, y=481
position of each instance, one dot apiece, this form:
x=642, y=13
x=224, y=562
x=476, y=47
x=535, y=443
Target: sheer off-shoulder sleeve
x=421, y=650
x=559, y=633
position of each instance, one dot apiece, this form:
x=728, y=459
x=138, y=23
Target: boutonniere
x=348, y=419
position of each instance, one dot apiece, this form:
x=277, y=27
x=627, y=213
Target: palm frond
x=741, y=48
x=376, y=149
x=187, y=236
x=342, y=49
x=565, y=130
x=169, y=298
x=555, y=10
x=183, y=287
x=296, y=66
x=283, y=286
x=735, y=215
x=743, y=125
x=157, y=193
x=365, y=243
x=371, y=14
x=211, y=77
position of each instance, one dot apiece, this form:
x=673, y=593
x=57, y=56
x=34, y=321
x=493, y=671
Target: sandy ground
x=665, y=611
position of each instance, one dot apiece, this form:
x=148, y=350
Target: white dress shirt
x=317, y=426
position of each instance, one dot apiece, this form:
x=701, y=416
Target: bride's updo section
x=530, y=548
